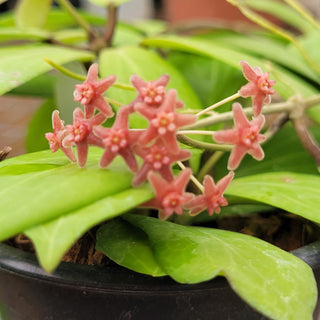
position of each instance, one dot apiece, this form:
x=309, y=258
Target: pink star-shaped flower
x=151, y=93
x=80, y=134
x=212, y=198
x=165, y=122
x=118, y=140
x=170, y=196
x=259, y=86
x=157, y=158
x=59, y=133
x=245, y=136
x=90, y=93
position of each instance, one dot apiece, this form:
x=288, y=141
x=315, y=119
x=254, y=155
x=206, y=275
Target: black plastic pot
x=76, y=292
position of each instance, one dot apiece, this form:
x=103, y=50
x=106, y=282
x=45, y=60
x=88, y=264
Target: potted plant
x=174, y=164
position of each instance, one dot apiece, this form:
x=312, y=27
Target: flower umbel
x=212, y=198
x=259, y=86
x=245, y=136
x=90, y=93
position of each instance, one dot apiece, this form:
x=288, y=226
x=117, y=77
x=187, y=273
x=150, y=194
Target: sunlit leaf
x=293, y=192
x=288, y=84
x=34, y=192
x=274, y=282
x=53, y=239
x=16, y=71
x=32, y=13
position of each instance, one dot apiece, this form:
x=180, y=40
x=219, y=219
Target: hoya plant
x=149, y=137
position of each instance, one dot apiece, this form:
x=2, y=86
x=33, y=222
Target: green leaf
x=16, y=71
x=271, y=49
x=146, y=64
x=35, y=191
x=12, y=33
x=288, y=84
x=32, y=13
x=104, y=3
x=38, y=126
x=53, y=239
x=274, y=282
x=282, y=12
x=293, y=192
x=128, y=246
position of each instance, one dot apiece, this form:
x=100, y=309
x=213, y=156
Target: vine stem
x=218, y=104
x=192, y=177
x=80, y=77
x=203, y=145
x=271, y=108
x=111, y=24
x=77, y=17
x=208, y=165
x=202, y=132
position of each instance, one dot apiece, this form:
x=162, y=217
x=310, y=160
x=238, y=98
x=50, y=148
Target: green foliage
x=272, y=281
x=28, y=16
x=128, y=246
x=16, y=71
x=293, y=192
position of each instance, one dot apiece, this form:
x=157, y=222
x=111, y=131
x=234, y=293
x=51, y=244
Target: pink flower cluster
x=156, y=145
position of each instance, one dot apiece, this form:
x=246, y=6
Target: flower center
x=117, y=139
x=172, y=201
x=164, y=122
x=152, y=95
x=80, y=131
x=158, y=156
x=84, y=93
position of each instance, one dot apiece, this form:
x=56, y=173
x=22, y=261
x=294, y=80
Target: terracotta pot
x=76, y=292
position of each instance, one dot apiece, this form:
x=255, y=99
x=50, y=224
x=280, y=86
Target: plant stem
x=271, y=108
x=218, y=104
x=192, y=177
x=202, y=132
x=65, y=71
x=276, y=126
x=116, y=103
x=203, y=145
x=208, y=165
x=78, y=76
x=111, y=24
x=77, y=17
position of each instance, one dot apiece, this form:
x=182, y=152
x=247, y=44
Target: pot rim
x=117, y=278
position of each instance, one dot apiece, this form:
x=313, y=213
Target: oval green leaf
x=274, y=282
x=16, y=71
x=128, y=246
x=53, y=239
x=293, y=192
x=32, y=13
